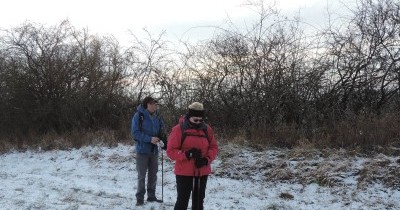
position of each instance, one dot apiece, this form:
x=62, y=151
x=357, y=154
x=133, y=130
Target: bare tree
x=256, y=78
x=59, y=79
x=364, y=58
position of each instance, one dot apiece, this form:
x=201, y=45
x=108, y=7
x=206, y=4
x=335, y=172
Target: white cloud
x=116, y=17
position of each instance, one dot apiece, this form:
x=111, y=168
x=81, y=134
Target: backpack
x=141, y=118
x=183, y=134
x=161, y=135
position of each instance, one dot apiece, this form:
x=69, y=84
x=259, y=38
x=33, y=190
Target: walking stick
x=193, y=187
x=198, y=189
x=160, y=148
x=162, y=176
x=196, y=175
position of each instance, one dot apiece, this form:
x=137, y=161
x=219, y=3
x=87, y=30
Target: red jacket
x=184, y=166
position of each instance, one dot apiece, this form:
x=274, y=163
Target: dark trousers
x=187, y=184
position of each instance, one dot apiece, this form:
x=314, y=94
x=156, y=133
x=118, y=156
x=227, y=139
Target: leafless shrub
x=270, y=84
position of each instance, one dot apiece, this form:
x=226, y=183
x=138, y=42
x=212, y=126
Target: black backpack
x=141, y=119
x=184, y=134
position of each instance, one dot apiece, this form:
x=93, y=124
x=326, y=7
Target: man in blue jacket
x=147, y=130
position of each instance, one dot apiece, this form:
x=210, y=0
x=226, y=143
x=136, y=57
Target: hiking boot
x=154, y=200
x=139, y=202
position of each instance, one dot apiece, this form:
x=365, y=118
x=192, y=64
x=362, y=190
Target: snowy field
x=105, y=178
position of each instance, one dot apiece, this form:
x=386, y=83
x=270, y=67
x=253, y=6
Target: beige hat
x=196, y=109
x=196, y=106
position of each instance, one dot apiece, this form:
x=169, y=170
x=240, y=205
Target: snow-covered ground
x=105, y=178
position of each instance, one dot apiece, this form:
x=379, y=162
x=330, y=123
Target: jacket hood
x=141, y=109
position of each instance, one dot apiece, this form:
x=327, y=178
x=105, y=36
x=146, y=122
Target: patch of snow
x=105, y=178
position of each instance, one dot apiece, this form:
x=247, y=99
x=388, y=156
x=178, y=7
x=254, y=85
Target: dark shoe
x=154, y=200
x=139, y=202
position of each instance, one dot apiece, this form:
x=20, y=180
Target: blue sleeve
x=136, y=133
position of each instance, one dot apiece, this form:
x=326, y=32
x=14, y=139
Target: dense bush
x=273, y=84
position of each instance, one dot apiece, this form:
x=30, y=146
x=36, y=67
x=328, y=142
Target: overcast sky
x=116, y=17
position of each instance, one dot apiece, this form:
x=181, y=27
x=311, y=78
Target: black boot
x=139, y=202
x=154, y=200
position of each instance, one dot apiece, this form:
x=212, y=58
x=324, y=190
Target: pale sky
x=117, y=17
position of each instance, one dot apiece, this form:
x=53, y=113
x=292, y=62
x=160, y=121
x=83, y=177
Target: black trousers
x=187, y=184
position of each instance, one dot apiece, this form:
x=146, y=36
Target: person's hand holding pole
x=154, y=140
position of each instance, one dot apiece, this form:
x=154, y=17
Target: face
x=152, y=107
x=196, y=120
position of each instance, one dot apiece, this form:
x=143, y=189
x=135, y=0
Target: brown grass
x=361, y=134
x=54, y=141
x=366, y=134
x=5, y=146
x=380, y=170
x=286, y=196
x=325, y=167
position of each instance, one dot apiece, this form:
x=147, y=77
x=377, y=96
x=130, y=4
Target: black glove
x=193, y=153
x=200, y=162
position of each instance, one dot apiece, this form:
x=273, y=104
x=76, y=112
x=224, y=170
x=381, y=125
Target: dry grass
x=281, y=174
x=286, y=196
x=5, y=146
x=328, y=174
x=382, y=170
x=54, y=141
x=325, y=167
x=117, y=158
x=364, y=133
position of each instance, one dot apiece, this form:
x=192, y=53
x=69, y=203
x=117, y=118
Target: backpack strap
x=184, y=134
x=141, y=118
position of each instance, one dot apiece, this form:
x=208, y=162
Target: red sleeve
x=174, y=143
x=213, y=148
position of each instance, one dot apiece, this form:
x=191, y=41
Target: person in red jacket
x=192, y=145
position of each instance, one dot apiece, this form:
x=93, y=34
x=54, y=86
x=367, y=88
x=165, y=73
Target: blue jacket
x=151, y=127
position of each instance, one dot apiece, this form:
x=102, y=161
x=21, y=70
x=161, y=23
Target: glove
x=163, y=141
x=161, y=144
x=193, y=153
x=200, y=162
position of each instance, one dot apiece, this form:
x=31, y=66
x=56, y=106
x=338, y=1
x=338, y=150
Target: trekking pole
x=160, y=146
x=198, y=189
x=162, y=176
x=193, y=186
